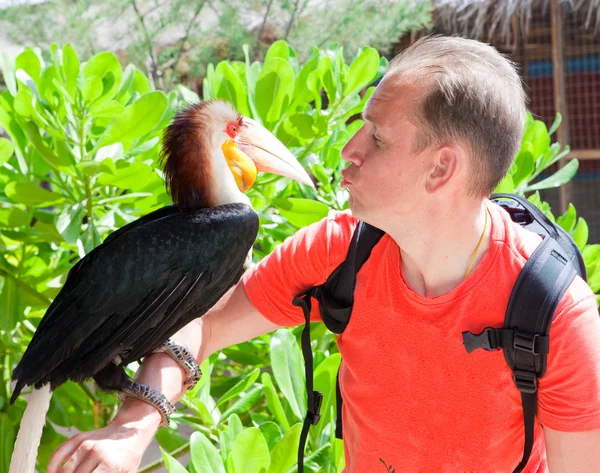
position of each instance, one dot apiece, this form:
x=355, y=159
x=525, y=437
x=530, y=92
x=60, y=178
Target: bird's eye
x=232, y=129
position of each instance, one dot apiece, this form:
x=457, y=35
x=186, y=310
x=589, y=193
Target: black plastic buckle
x=526, y=381
x=314, y=414
x=473, y=341
x=525, y=342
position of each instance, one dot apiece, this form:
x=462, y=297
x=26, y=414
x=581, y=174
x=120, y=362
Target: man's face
x=384, y=177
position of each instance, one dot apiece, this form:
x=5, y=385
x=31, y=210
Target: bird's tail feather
x=30, y=432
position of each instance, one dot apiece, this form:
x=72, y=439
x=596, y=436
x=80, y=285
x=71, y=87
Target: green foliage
x=174, y=40
x=82, y=160
x=537, y=155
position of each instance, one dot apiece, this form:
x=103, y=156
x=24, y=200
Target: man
x=440, y=132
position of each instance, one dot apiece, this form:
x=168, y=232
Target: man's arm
x=573, y=452
x=119, y=447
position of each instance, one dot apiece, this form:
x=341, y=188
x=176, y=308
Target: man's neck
x=437, y=250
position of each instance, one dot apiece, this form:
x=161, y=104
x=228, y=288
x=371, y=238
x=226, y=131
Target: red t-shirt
x=413, y=396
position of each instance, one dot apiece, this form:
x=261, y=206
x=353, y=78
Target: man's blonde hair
x=476, y=97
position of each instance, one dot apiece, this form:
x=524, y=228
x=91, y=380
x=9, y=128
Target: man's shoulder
x=340, y=225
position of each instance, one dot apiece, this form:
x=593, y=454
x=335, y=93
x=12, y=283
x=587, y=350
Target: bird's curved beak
x=268, y=153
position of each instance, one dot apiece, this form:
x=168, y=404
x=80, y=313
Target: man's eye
x=377, y=141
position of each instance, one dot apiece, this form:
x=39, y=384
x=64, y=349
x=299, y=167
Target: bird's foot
x=151, y=396
x=182, y=356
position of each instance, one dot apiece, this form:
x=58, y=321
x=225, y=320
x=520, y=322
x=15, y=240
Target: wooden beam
x=543, y=52
x=584, y=154
x=560, y=99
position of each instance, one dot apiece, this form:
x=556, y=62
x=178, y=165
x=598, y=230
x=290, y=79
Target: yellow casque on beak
x=241, y=166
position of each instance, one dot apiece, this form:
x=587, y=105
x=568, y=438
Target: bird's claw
x=151, y=396
x=182, y=356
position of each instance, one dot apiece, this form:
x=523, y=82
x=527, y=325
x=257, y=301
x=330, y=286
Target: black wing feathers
x=146, y=281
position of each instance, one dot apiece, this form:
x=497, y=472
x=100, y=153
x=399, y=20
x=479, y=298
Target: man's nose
x=351, y=153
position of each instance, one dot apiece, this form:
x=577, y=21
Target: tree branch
x=262, y=28
x=187, y=32
x=154, y=65
x=289, y=26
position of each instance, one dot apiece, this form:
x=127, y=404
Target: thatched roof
x=481, y=19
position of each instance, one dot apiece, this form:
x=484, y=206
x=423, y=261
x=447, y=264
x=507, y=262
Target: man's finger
x=86, y=464
x=64, y=452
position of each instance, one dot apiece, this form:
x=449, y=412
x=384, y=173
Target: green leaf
x=23, y=105
x=250, y=452
x=556, y=124
x=6, y=150
x=283, y=456
x=91, y=168
x=70, y=68
x=30, y=63
x=240, y=386
x=63, y=161
x=169, y=438
x=8, y=73
x=279, y=49
x=10, y=303
x=301, y=126
x=325, y=376
x=13, y=217
x=362, y=71
x=562, y=176
x=69, y=223
x=537, y=136
x=172, y=465
x=274, y=89
x=242, y=356
x=8, y=435
x=228, y=86
x=594, y=279
x=271, y=432
x=141, y=84
x=567, y=220
x=188, y=95
x=244, y=403
x=524, y=162
x=109, y=109
x=325, y=72
x=30, y=194
x=273, y=401
x=288, y=369
x=105, y=65
x=302, y=93
x=128, y=176
x=301, y=212
x=138, y=119
x=204, y=456
x=580, y=233
x=92, y=89
x=228, y=436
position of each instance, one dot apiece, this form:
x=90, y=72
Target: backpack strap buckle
x=526, y=342
x=313, y=413
x=526, y=381
x=488, y=340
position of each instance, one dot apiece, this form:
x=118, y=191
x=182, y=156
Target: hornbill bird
x=148, y=279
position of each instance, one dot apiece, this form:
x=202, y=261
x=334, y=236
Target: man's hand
x=117, y=448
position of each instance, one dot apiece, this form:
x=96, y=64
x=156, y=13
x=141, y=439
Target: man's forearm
x=232, y=320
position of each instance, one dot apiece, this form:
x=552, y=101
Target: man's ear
x=445, y=167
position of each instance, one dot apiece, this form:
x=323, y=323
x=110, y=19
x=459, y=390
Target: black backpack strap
x=539, y=219
x=539, y=288
x=336, y=294
x=314, y=398
x=336, y=298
